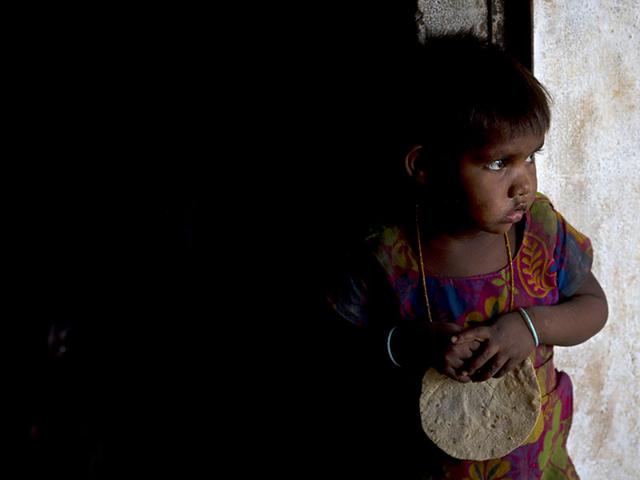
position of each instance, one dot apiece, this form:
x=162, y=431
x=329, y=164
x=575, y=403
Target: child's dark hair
x=466, y=90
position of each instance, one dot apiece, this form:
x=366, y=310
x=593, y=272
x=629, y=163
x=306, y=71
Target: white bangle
x=389, y=347
x=529, y=323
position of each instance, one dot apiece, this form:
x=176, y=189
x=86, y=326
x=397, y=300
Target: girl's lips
x=515, y=216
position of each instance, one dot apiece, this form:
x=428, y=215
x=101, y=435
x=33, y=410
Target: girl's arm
x=507, y=342
x=574, y=321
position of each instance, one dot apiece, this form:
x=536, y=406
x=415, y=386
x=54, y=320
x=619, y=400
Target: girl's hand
x=455, y=359
x=506, y=344
x=430, y=344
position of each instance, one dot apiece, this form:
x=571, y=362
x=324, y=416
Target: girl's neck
x=448, y=229
x=464, y=252
x=463, y=240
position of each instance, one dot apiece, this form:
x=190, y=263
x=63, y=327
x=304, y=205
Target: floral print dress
x=551, y=263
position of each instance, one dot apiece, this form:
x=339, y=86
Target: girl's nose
x=521, y=185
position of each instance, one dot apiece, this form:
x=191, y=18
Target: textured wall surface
x=587, y=53
x=440, y=16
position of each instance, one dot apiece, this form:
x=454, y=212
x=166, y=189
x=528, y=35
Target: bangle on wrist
x=391, y=357
x=527, y=320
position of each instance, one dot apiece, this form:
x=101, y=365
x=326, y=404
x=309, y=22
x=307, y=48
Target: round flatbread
x=483, y=420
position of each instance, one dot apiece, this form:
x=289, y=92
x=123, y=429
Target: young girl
x=475, y=275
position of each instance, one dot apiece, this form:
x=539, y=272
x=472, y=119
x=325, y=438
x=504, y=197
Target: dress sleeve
x=360, y=292
x=573, y=255
x=348, y=297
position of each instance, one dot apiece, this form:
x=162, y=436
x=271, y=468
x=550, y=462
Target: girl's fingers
x=475, y=334
x=454, y=361
x=478, y=362
x=506, y=368
x=493, y=367
x=465, y=350
x=475, y=345
x=451, y=373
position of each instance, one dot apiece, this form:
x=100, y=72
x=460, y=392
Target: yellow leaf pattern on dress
x=532, y=267
x=489, y=470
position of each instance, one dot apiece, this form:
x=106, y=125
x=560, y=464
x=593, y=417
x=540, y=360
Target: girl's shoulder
x=383, y=234
x=542, y=206
x=390, y=246
x=571, y=250
x=543, y=217
x=548, y=221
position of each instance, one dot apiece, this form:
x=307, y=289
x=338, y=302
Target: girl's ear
x=414, y=164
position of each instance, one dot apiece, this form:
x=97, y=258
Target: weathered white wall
x=442, y=16
x=587, y=53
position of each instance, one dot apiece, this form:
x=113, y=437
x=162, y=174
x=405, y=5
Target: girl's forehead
x=523, y=144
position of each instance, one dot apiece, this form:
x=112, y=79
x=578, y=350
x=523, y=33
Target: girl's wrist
x=398, y=349
x=528, y=318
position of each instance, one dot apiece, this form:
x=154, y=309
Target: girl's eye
x=532, y=158
x=496, y=165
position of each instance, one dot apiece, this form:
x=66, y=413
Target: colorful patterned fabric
x=550, y=264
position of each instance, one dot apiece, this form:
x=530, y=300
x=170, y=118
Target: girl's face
x=499, y=181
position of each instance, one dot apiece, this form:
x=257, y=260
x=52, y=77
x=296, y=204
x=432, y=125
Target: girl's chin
x=497, y=229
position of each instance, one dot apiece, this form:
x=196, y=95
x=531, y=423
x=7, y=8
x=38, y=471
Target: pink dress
x=551, y=263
